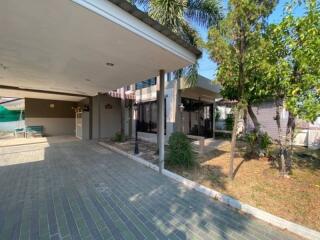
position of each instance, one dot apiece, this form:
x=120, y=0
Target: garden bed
x=258, y=183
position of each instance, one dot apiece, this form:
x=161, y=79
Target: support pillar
x=99, y=116
x=161, y=118
x=178, y=115
x=214, y=119
x=199, y=117
x=123, y=112
x=90, y=117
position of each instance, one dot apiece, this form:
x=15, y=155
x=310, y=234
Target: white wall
x=11, y=126
x=54, y=126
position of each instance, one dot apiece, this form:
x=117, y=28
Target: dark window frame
x=148, y=127
x=146, y=83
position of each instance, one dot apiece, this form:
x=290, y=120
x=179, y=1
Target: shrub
x=251, y=140
x=118, y=137
x=180, y=151
x=229, y=122
x=257, y=143
x=265, y=141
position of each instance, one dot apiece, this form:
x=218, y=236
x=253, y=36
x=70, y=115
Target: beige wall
x=54, y=126
x=110, y=118
x=43, y=108
x=56, y=117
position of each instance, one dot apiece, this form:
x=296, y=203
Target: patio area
x=80, y=190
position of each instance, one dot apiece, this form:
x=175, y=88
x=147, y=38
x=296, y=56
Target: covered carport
x=84, y=47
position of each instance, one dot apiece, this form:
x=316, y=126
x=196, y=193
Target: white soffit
x=64, y=46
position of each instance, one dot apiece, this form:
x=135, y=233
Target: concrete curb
x=281, y=223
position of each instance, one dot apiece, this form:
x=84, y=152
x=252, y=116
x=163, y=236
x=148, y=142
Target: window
x=146, y=83
x=147, y=113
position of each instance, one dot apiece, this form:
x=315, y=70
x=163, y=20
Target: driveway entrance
x=80, y=190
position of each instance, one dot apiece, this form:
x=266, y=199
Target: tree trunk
x=256, y=124
x=123, y=111
x=233, y=141
x=282, y=152
x=241, y=80
x=289, y=140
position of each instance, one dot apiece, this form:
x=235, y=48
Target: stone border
x=257, y=213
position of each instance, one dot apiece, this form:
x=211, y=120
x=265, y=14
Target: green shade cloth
x=10, y=116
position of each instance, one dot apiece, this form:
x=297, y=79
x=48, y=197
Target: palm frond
x=191, y=75
x=204, y=12
x=168, y=13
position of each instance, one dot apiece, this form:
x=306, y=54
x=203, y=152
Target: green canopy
x=10, y=116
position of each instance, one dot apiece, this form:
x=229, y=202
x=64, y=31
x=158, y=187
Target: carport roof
x=83, y=46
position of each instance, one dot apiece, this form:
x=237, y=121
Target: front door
x=79, y=125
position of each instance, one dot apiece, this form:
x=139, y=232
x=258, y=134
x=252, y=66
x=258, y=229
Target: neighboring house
x=11, y=114
x=307, y=134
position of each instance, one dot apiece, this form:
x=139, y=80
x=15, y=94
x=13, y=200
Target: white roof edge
x=117, y=15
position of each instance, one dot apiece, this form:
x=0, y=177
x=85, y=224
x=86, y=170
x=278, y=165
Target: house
x=11, y=114
x=307, y=134
x=194, y=105
x=63, y=56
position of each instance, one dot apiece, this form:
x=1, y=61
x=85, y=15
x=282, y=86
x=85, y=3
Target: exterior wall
x=309, y=135
x=57, y=117
x=54, y=126
x=265, y=113
x=150, y=94
x=11, y=126
x=110, y=116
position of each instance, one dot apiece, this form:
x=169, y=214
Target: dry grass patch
x=258, y=183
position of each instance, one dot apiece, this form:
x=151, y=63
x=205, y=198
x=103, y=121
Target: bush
x=257, y=143
x=265, y=141
x=229, y=122
x=180, y=152
x=118, y=137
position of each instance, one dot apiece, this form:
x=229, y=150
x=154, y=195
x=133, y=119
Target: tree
x=233, y=46
x=291, y=65
x=177, y=16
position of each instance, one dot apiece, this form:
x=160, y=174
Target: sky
x=208, y=68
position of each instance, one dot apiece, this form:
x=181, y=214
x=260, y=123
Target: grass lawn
x=258, y=183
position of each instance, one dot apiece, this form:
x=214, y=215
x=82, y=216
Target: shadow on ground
x=79, y=190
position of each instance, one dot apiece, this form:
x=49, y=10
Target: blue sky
x=208, y=68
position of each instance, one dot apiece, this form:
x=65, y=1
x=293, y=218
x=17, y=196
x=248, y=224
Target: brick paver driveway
x=78, y=190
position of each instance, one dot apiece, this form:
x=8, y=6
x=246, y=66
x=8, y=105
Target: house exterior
x=64, y=56
x=12, y=114
x=307, y=134
x=195, y=105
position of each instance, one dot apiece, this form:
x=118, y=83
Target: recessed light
x=109, y=64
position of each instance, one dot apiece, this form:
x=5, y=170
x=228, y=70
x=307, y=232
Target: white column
x=99, y=115
x=161, y=121
x=214, y=119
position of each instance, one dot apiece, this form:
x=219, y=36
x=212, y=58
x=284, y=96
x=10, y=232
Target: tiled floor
x=76, y=190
